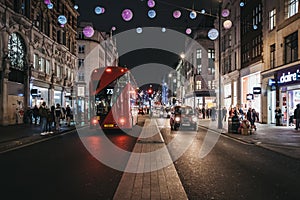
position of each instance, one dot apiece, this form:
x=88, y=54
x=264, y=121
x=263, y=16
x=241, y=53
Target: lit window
x=292, y=7
x=272, y=18
x=198, y=85
x=199, y=69
x=198, y=53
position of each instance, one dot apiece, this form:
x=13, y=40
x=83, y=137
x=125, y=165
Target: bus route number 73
x=109, y=91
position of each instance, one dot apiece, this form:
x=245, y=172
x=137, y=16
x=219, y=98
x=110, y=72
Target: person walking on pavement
x=35, y=111
x=58, y=116
x=43, y=118
x=278, y=115
x=203, y=112
x=297, y=116
x=224, y=112
x=68, y=115
x=250, y=117
x=50, y=119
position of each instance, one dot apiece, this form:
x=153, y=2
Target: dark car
x=183, y=116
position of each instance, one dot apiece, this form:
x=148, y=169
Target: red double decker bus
x=113, y=98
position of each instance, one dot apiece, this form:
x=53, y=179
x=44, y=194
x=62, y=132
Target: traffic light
x=150, y=91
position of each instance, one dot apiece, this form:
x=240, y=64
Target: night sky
x=164, y=18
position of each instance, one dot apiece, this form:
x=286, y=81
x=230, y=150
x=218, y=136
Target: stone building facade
x=37, y=56
x=94, y=52
x=281, y=71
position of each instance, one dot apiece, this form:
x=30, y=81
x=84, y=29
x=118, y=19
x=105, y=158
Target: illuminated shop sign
x=256, y=90
x=249, y=97
x=289, y=75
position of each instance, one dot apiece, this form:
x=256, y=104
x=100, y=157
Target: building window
x=80, y=63
x=35, y=61
x=41, y=64
x=209, y=85
x=211, y=53
x=199, y=69
x=256, y=46
x=64, y=38
x=211, y=68
x=198, y=85
x=256, y=15
x=69, y=74
x=229, y=40
x=291, y=48
x=80, y=35
x=58, y=36
x=272, y=19
x=81, y=48
x=272, y=56
x=213, y=85
x=292, y=7
x=198, y=53
x=47, y=67
x=58, y=71
x=235, y=61
x=80, y=76
x=16, y=51
x=22, y=7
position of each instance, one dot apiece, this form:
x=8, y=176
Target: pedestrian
x=43, y=118
x=28, y=116
x=203, y=112
x=278, y=116
x=68, y=115
x=50, y=120
x=250, y=117
x=241, y=113
x=224, y=112
x=297, y=116
x=63, y=117
x=53, y=116
x=213, y=113
x=35, y=112
x=58, y=116
x=254, y=118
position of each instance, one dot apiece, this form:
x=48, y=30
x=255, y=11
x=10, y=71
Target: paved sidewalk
x=150, y=172
x=282, y=139
x=14, y=136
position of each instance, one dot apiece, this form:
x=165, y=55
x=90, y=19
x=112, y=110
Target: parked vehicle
x=184, y=117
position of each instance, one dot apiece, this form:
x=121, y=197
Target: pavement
x=281, y=139
x=150, y=173
x=19, y=135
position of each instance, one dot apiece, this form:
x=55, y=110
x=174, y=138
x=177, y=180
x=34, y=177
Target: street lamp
x=214, y=34
x=220, y=125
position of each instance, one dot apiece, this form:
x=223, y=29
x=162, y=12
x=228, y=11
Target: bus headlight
x=122, y=120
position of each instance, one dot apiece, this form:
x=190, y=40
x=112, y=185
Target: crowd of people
x=49, y=118
x=251, y=115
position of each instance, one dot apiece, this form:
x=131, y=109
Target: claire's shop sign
x=289, y=75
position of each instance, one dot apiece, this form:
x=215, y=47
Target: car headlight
x=177, y=119
x=195, y=119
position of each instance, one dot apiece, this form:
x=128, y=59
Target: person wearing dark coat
x=297, y=116
x=278, y=116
